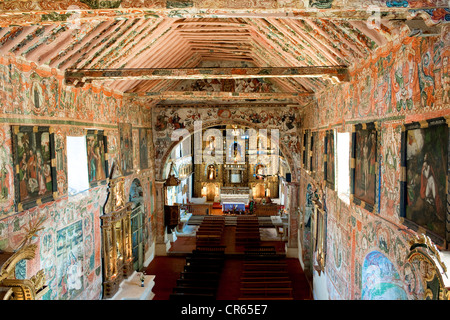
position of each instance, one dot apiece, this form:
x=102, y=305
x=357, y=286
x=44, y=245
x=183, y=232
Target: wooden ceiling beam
x=19, y=12
x=79, y=76
x=227, y=96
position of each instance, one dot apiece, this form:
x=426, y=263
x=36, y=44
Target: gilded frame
x=319, y=237
x=305, y=149
x=418, y=211
x=364, y=165
x=97, y=140
x=35, y=165
x=329, y=159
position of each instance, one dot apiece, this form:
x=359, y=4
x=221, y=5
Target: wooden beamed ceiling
x=156, y=36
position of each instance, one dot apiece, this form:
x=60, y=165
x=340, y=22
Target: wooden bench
x=203, y=268
x=192, y=296
x=198, y=282
x=263, y=273
x=266, y=298
x=267, y=284
x=195, y=289
x=199, y=275
x=204, y=260
x=266, y=278
x=266, y=292
x=269, y=260
x=265, y=267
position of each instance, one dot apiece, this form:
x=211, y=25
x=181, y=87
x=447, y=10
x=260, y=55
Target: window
x=343, y=166
x=77, y=168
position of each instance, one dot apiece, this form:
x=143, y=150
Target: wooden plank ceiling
x=170, y=42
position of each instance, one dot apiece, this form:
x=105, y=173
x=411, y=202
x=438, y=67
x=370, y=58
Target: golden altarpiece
x=12, y=288
x=431, y=264
x=116, y=235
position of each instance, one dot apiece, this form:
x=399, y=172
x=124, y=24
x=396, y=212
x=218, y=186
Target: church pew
x=266, y=267
x=217, y=250
x=200, y=275
x=205, y=259
x=198, y=282
x=202, y=268
x=195, y=289
x=263, y=273
x=267, y=284
x=266, y=298
x=181, y=296
x=266, y=292
x=266, y=278
x=209, y=232
x=268, y=260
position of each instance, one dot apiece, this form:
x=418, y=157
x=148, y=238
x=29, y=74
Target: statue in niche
x=211, y=172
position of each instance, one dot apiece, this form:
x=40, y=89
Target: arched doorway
x=137, y=224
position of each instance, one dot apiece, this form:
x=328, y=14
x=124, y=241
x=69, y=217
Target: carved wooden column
x=162, y=243
x=293, y=204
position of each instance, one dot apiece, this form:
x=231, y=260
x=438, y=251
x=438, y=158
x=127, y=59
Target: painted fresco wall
x=69, y=246
x=408, y=80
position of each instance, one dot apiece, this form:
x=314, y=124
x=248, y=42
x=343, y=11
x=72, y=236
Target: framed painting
x=126, y=148
x=364, y=165
x=34, y=160
x=143, y=148
x=311, y=151
x=329, y=163
x=97, y=154
x=305, y=149
x=424, y=180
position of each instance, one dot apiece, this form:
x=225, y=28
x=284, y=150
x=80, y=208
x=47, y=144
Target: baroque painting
x=425, y=189
x=126, y=148
x=35, y=177
x=329, y=158
x=365, y=159
x=96, y=149
x=143, y=149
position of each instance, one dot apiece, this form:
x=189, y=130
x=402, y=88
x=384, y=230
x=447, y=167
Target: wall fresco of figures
x=69, y=246
x=407, y=81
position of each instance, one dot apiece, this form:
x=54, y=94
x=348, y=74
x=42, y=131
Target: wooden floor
x=167, y=269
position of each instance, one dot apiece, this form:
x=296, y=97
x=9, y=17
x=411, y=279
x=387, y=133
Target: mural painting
x=380, y=279
x=329, y=151
x=143, y=148
x=96, y=149
x=70, y=254
x=426, y=176
x=126, y=147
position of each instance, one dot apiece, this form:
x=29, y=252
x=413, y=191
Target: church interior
x=224, y=150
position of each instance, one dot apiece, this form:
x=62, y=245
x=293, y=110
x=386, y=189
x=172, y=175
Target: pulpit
x=116, y=235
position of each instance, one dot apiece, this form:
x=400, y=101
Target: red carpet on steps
x=167, y=269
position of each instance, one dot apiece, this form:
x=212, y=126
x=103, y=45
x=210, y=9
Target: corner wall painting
x=364, y=159
x=380, y=279
x=424, y=186
x=126, y=147
x=143, y=149
x=96, y=155
x=329, y=172
x=34, y=159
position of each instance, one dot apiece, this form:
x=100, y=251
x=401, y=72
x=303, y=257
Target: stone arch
x=207, y=124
